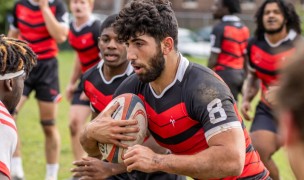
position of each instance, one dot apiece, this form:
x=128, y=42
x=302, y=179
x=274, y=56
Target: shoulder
x=91, y=72
x=218, y=27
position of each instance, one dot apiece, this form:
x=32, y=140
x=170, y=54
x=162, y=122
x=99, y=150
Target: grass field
x=33, y=142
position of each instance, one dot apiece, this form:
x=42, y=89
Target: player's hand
x=245, y=108
x=43, y=4
x=69, y=91
x=91, y=169
x=104, y=129
x=141, y=158
x=271, y=95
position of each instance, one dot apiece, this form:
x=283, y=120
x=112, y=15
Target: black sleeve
x=250, y=43
x=216, y=38
x=129, y=85
x=211, y=103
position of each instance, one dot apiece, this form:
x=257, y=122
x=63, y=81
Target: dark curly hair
x=290, y=15
x=15, y=55
x=232, y=5
x=153, y=17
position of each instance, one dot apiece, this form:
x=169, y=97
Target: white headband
x=11, y=75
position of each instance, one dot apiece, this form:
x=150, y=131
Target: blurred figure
x=83, y=37
x=229, y=40
x=278, y=30
x=290, y=102
x=42, y=23
x=16, y=61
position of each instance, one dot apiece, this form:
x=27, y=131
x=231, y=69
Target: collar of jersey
x=181, y=70
x=230, y=18
x=89, y=22
x=290, y=36
x=36, y=4
x=128, y=72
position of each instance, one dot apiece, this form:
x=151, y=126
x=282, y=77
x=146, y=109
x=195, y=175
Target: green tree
x=6, y=7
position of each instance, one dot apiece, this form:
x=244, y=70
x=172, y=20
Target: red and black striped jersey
x=229, y=40
x=98, y=89
x=28, y=19
x=196, y=106
x=84, y=40
x=266, y=59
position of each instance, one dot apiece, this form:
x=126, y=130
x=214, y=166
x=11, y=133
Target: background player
x=16, y=61
x=100, y=83
x=229, y=39
x=181, y=101
x=278, y=29
x=83, y=37
x=290, y=99
x=42, y=23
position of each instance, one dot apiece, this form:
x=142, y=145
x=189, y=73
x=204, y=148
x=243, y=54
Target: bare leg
x=267, y=143
x=78, y=116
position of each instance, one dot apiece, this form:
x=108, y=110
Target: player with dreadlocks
x=16, y=61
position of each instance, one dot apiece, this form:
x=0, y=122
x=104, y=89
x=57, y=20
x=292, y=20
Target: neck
x=296, y=159
x=274, y=38
x=110, y=72
x=168, y=75
x=81, y=21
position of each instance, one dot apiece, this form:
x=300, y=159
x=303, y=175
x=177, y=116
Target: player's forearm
x=251, y=87
x=215, y=162
x=76, y=71
x=57, y=30
x=89, y=145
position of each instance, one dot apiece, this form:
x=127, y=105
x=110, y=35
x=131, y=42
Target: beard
x=274, y=31
x=157, y=65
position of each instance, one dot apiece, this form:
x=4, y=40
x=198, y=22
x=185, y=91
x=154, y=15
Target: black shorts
x=76, y=95
x=136, y=175
x=234, y=78
x=264, y=119
x=44, y=80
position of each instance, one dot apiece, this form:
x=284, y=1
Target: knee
x=74, y=126
x=48, y=127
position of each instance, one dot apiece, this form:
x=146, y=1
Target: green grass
x=33, y=141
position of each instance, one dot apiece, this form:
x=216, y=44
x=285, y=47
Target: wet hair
x=291, y=92
x=152, y=17
x=108, y=22
x=232, y=5
x=291, y=17
x=15, y=55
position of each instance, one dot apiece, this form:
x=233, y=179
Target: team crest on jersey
x=172, y=121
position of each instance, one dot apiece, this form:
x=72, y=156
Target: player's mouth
x=111, y=57
x=137, y=68
x=271, y=21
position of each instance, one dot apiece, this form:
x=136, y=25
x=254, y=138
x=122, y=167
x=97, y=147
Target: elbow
x=61, y=39
x=236, y=164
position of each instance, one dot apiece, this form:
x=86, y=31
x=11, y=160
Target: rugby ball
x=130, y=107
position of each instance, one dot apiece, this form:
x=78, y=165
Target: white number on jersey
x=215, y=107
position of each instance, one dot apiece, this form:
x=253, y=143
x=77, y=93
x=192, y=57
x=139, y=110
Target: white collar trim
x=290, y=36
x=230, y=18
x=127, y=72
x=181, y=70
x=89, y=22
x=36, y=3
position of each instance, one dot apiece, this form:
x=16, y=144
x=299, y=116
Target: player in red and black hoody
x=229, y=40
x=278, y=30
x=43, y=24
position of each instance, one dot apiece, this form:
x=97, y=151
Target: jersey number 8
x=216, y=112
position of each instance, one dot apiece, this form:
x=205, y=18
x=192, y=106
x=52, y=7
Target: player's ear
x=8, y=84
x=167, y=45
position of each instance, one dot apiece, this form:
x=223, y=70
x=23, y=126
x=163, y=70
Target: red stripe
x=97, y=98
x=4, y=170
x=31, y=16
x=8, y=124
x=237, y=34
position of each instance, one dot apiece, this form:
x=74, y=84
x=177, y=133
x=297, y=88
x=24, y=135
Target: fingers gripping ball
x=130, y=107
